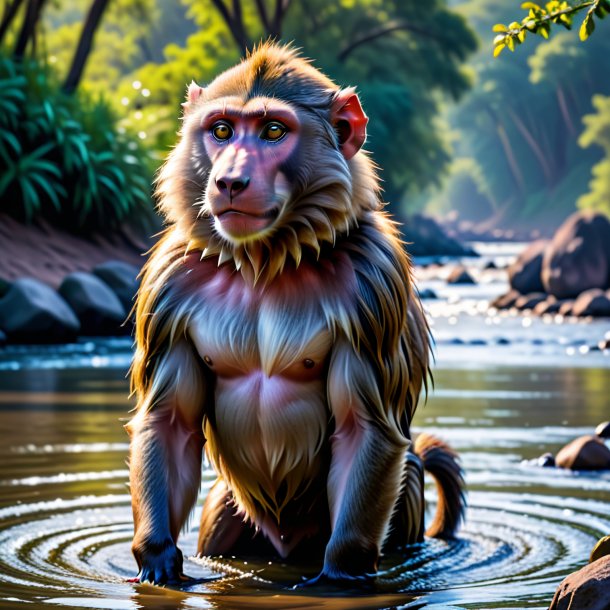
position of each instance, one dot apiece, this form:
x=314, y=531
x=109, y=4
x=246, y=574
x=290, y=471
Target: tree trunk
x=534, y=146
x=85, y=43
x=10, y=13
x=234, y=23
x=28, y=29
x=565, y=112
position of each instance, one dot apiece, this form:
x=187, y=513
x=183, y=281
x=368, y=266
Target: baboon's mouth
x=272, y=213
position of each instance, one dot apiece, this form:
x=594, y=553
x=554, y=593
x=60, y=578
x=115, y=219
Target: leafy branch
x=540, y=19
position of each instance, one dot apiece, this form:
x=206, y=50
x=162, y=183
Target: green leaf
x=587, y=27
x=11, y=140
x=6, y=179
x=48, y=189
x=31, y=199
x=498, y=49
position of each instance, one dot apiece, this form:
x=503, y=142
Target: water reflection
x=65, y=519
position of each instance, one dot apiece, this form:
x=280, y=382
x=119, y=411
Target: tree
x=85, y=43
x=403, y=57
x=10, y=12
x=27, y=34
x=597, y=132
x=539, y=20
x=521, y=120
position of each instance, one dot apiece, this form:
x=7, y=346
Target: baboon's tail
x=440, y=460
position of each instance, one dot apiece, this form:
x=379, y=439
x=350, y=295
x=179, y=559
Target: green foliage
x=413, y=57
x=539, y=20
x=597, y=132
x=62, y=158
x=521, y=120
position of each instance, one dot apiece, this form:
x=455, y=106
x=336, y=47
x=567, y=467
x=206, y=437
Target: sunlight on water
x=66, y=525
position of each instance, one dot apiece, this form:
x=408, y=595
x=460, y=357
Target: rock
x=122, y=279
x=553, y=305
x=524, y=275
x=566, y=307
x=586, y=589
x=547, y=460
x=603, y=430
x=592, y=302
x=529, y=301
x=506, y=301
x=460, y=275
x=584, y=453
x=98, y=308
x=32, y=312
x=601, y=549
x=490, y=265
x=426, y=238
x=427, y=293
x=502, y=341
x=578, y=256
x=549, y=305
x=4, y=286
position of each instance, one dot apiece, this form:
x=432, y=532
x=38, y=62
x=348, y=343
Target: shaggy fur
x=330, y=277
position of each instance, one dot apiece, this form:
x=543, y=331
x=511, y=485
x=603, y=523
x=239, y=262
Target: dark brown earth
x=49, y=254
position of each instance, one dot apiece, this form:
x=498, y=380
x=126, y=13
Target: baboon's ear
x=349, y=120
x=193, y=93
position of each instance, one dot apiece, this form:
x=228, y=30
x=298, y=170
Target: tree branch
x=28, y=29
x=262, y=11
x=378, y=32
x=10, y=11
x=234, y=23
x=85, y=44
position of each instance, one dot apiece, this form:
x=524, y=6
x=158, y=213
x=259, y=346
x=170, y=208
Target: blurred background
x=499, y=170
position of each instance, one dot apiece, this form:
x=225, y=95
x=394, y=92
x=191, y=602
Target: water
x=508, y=388
x=65, y=518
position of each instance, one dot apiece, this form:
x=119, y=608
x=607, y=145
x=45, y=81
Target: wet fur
x=334, y=230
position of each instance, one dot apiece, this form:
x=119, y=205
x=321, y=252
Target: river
x=507, y=389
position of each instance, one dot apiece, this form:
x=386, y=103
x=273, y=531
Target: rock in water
x=99, y=310
x=427, y=293
x=525, y=274
x=584, y=453
x=460, y=276
x=549, y=305
x=427, y=238
x=566, y=307
x=603, y=429
x=505, y=301
x=593, y=302
x=122, y=279
x=578, y=256
x=32, y=312
x=601, y=549
x=529, y=301
x=587, y=589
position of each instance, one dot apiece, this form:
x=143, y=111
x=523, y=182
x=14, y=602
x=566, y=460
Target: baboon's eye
x=222, y=131
x=274, y=131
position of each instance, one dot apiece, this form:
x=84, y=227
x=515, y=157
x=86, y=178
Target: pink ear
x=350, y=121
x=193, y=93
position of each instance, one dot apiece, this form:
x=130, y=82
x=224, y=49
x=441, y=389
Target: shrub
x=63, y=157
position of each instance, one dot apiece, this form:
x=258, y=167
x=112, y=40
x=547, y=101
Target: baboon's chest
x=267, y=337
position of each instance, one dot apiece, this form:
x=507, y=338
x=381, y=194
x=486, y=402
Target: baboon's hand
x=160, y=564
